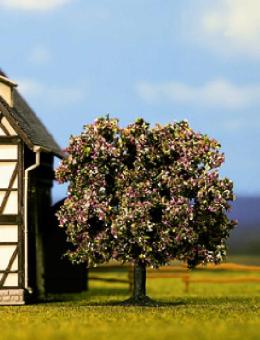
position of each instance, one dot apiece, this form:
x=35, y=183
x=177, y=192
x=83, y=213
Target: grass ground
x=207, y=311
x=245, y=259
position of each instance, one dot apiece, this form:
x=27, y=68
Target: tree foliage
x=141, y=193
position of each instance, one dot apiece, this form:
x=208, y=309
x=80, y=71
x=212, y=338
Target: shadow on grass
x=221, y=300
x=92, y=293
x=109, y=299
x=214, y=302
x=116, y=303
x=86, y=301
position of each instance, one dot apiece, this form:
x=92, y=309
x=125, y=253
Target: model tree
x=145, y=195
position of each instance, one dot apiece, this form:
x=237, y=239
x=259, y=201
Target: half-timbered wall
x=11, y=187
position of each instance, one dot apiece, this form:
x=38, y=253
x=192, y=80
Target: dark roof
x=2, y=73
x=31, y=129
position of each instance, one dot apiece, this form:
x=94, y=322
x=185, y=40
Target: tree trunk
x=139, y=292
x=139, y=297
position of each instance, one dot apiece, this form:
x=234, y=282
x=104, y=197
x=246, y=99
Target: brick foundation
x=12, y=297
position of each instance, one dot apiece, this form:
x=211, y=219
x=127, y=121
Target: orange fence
x=181, y=272
x=184, y=274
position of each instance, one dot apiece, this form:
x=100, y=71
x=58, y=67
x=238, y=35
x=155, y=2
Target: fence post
x=186, y=281
x=131, y=277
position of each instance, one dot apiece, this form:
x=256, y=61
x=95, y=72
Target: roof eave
x=4, y=108
x=8, y=81
x=38, y=148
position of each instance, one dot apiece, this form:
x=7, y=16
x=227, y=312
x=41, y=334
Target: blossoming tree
x=145, y=195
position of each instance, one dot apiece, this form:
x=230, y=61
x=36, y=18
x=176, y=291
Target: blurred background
x=75, y=60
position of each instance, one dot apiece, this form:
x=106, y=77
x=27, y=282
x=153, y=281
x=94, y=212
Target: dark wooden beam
x=9, y=140
x=21, y=147
x=8, y=243
x=10, y=272
x=10, y=219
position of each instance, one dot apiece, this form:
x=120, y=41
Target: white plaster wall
x=8, y=233
x=8, y=151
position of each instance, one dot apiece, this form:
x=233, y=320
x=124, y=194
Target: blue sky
x=165, y=60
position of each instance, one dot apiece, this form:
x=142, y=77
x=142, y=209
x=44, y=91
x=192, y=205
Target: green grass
x=245, y=259
x=207, y=311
